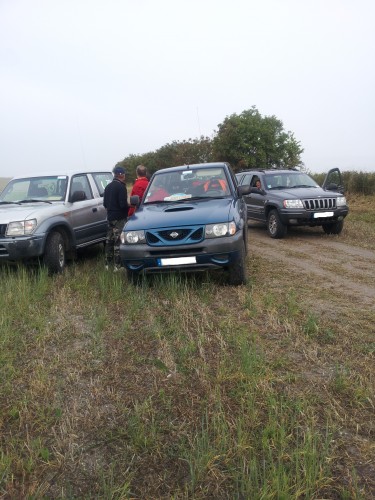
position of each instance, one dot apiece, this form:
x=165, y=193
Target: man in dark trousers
x=116, y=202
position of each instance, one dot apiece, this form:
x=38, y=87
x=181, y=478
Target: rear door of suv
x=87, y=216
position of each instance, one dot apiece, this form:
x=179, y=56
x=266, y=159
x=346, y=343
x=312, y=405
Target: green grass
x=181, y=387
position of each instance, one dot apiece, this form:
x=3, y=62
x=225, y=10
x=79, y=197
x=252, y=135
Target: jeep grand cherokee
x=282, y=198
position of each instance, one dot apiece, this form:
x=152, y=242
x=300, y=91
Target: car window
x=246, y=179
x=51, y=188
x=102, y=180
x=81, y=183
x=190, y=183
x=289, y=180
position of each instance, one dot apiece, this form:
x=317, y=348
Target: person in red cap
x=115, y=201
x=139, y=186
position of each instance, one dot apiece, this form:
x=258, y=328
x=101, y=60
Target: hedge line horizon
x=245, y=140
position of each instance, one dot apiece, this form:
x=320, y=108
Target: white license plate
x=323, y=214
x=177, y=261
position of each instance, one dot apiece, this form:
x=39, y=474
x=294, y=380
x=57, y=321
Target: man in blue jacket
x=116, y=203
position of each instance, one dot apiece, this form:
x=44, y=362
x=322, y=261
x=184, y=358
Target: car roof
x=62, y=172
x=192, y=167
x=268, y=170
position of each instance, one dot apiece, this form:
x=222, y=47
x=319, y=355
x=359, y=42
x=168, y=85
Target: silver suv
x=50, y=216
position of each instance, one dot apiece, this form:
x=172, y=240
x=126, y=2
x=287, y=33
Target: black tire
x=276, y=229
x=333, y=228
x=237, y=270
x=54, y=253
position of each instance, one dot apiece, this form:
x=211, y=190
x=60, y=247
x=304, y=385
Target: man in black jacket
x=116, y=202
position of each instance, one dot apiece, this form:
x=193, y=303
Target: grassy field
x=184, y=387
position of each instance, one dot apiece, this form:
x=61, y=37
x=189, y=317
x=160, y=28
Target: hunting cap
x=119, y=170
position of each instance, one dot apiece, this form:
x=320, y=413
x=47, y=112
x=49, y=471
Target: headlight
x=21, y=228
x=133, y=237
x=341, y=201
x=220, y=229
x=293, y=204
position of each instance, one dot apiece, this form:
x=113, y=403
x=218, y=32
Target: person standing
x=115, y=201
x=139, y=186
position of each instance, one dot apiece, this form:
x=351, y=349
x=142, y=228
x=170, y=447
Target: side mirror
x=78, y=196
x=243, y=190
x=331, y=187
x=135, y=201
x=257, y=190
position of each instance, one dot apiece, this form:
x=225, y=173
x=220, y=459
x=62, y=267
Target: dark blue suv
x=191, y=218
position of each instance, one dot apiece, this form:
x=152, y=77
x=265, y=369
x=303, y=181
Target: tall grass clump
x=355, y=182
x=179, y=387
x=22, y=301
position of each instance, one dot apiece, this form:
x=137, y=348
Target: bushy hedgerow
x=354, y=182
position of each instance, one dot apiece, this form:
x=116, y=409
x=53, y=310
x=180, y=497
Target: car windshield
x=48, y=188
x=190, y=183
x=289, y=180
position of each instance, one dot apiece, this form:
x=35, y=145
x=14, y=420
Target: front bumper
x=213, y=253
x=21, y=248
x=301, y=217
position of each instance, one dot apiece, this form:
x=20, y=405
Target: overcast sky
x=85, y=83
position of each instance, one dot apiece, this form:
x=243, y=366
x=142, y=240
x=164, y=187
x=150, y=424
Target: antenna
x=199, y=124
x=81, y=145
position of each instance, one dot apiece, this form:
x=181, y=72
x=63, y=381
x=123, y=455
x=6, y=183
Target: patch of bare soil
x=321, y=257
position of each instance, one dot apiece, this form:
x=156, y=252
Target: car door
x=99, y=181
x=254, y=201
x=86, y=218
x=333, y=181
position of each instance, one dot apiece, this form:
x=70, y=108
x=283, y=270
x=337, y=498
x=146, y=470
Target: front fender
x=57, y=223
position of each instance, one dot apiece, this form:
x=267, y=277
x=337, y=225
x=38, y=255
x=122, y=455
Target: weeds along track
x=331, y=286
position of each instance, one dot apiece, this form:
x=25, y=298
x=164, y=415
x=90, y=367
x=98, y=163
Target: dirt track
x=320, y=259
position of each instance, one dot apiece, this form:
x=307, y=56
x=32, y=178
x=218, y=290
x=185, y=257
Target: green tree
x=250, y=140
x=176, y=153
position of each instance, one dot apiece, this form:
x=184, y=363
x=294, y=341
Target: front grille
x=175, y=236
x=3, y=228
x=320, y=203
x=3, y=251
x=197, y=235
x=178, y=252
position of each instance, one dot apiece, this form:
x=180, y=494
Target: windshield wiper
x=9, y=202
x=32, y=200
x=303, y=186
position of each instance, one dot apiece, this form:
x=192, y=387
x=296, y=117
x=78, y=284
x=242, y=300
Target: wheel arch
x=268, y=208
x=67, y=234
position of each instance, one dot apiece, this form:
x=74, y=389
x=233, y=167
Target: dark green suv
x=282, y=198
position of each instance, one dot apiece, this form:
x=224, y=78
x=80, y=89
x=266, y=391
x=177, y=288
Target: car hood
x=25, y=211
x=302, y=193
x=206, y=211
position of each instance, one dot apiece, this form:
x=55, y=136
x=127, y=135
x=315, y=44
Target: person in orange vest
x=215, y=184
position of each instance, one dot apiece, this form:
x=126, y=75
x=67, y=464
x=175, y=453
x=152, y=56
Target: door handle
x=94, y=209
